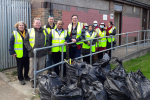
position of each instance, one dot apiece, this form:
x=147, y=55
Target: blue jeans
x=74, y=52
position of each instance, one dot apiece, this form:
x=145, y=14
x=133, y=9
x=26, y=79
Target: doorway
x=117, y=24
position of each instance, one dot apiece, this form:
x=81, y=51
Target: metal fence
x=11, y=11
x=126, y=44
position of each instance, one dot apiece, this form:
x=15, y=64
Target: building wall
x=88, y=11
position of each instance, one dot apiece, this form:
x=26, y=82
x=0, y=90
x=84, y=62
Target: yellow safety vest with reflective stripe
x=57, y=40
x=87, y=37
x=79, y=31
x=102, y=41
x=110, y=31
x=48, y=29
x=32, y=36
x=18, y=45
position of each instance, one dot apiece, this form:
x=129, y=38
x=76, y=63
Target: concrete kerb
x=133, y=55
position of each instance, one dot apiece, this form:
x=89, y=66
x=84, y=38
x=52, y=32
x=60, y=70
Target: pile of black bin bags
x=95, y=82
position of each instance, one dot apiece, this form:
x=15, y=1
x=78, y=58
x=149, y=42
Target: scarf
x=23, y=34
x=109, y=28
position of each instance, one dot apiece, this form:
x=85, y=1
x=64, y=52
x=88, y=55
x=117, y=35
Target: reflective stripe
x=18, y=42
x=58, y=38
x=18, y=48
x=55, y=44
x=31, y=37
x=102, y=40
x=31, y=41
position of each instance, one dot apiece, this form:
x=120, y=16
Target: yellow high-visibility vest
x=110, y=31
x=18, y=45
x=32, y=36
x=79, y=31
x=102, y=41
x=87, y=37
x=57, y=40
x=48, y=29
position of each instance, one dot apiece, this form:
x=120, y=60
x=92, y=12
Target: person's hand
x=14, y=55
x=65, y=43
x=73, y=40
x=105, y=28
x=89, y=43
x=50, y=52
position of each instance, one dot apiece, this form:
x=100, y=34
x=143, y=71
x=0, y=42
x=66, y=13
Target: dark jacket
x=39, y=43
x=67, y=39
x=11, y=45
x=74, y=33
x=48, y=26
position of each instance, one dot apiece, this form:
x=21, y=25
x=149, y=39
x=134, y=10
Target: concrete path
x=7, y=92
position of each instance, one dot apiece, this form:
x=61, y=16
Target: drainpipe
x=51, y=9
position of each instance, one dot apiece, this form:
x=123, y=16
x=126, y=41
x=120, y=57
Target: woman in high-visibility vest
x=89, y=34
x=102, y=42
x=18, y=51
x=112, y=31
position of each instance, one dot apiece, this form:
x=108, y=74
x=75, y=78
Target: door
x=117, y=23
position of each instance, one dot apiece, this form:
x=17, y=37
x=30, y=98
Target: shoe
x=32, y=84
x=27, y=79
x=22, y=82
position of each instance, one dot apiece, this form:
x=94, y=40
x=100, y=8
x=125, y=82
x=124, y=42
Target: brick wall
x=84, y=17
x=42, y=13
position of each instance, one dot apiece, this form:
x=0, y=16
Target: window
x=118, y=8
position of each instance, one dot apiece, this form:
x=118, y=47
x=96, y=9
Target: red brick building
x=128, y=15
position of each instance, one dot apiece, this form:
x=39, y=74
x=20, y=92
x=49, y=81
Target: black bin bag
x=74, y=70
x=103, y=69
x=115, y=84
x=95, y=91
x=46, y=85
x=71, y=92
x=138, y=85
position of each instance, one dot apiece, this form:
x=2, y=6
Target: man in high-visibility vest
x=37, y=37
x=50, y=25
x=76, y=32
x=58, y=36
x=112, y=31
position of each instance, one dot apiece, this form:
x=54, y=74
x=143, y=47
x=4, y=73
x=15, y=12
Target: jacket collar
x=57, y=31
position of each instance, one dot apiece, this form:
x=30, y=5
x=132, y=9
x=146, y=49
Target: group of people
x=23, y=41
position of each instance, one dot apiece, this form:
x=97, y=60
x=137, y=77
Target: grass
x=14, y=73
x=142, y=63
x=34, y=97
x=7, y=74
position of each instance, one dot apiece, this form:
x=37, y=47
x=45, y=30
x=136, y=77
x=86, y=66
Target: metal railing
x=11, y=11
x=122, y=45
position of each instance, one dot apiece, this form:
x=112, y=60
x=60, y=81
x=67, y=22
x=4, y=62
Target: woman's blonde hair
x=22, y=22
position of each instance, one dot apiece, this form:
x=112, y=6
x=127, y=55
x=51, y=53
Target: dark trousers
x=109, y=53
x=22, y=63
x=87, y=59
x=74, y=52
x=100, y=55
x=56, y=56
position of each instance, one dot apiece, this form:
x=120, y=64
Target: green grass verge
x=142, y=63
